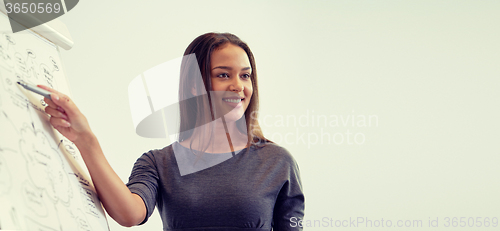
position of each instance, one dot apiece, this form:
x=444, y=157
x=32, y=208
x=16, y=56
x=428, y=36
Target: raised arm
x=124, y=207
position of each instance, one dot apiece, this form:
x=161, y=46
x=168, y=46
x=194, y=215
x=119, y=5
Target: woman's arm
x=290, y=202
x=124, y=207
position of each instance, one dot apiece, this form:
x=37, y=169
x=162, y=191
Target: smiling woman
x=222, y=173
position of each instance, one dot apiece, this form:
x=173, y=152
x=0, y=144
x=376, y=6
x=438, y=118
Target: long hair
x=196, y=109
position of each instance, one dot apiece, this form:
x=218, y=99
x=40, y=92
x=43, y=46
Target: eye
x=223, y=75
x=246, y=76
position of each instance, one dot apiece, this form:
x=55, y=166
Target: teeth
x=232, y=100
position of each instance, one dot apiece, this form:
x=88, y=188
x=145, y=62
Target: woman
x=222, y=174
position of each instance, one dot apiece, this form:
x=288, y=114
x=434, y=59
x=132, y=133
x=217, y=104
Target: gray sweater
x=257, y=189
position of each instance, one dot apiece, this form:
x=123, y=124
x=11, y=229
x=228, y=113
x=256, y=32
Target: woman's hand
x=66, y=117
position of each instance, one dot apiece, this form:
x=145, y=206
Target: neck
x=226, y=137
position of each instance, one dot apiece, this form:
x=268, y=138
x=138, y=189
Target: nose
x=236, y=85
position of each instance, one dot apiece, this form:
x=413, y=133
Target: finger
x=47, y=88
x=49, y=102
x=58, y=122
x=64, y=103
x=54, y=94
x=60, y=109
x=55, y=113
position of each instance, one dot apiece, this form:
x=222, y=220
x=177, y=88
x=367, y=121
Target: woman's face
x=232, y=86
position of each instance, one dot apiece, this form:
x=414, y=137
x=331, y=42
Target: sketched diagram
x=6, y=47
x=45, y=167
x=24, y=64
x=42, y=183
x=5, y=173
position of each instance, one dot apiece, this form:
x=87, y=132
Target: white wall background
x=428, y=71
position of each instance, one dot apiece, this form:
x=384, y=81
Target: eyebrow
x=230, y=68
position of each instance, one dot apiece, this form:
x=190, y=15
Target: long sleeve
x=290, y=205
x=143, y=181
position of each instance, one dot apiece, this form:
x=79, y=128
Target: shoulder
x=155, y=156
x=278, y=163
x=269, y=147
x=275, y=153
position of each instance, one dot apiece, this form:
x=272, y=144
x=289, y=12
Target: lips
x=234, y=102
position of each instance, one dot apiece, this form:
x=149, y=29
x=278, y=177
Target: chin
x=234, y=115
